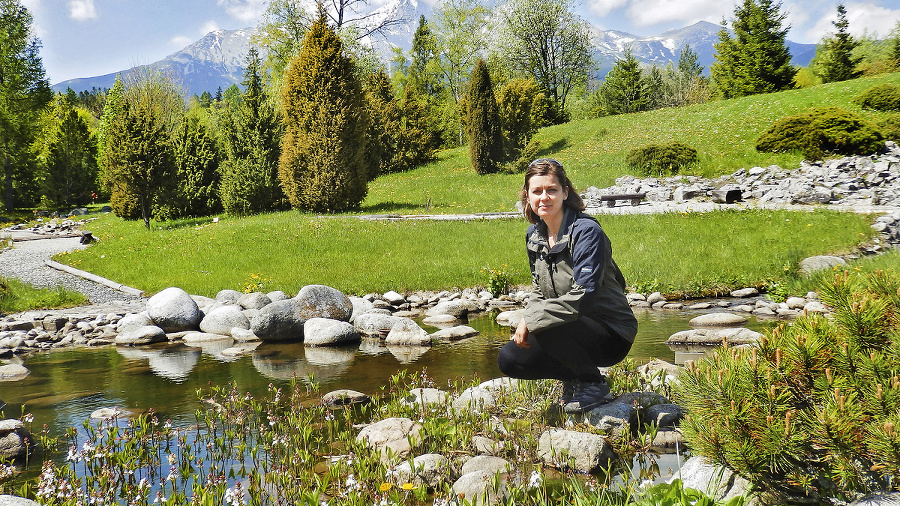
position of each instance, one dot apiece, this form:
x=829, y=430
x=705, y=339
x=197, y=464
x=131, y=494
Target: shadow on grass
x=389, y=207
x=557, y=146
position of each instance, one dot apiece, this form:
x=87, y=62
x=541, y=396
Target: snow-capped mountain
x=218, y=59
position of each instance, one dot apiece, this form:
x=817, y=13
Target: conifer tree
x=625, y=90
x=521, y=107
x=838, y=63
x=756, y=59
x=197, y=169
x=112, y=110
x=483, y=122
x=24, y=91
x=252, y=135
x=323, y=165
x=71, y=160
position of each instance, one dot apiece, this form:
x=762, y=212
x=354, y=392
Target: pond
x=66, y=386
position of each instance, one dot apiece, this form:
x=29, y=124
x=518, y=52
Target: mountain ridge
x=217, y=59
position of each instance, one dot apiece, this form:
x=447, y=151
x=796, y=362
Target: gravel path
x=25, y=261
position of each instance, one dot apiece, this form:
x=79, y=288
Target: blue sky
x=85, y=38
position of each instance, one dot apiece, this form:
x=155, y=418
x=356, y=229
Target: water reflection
x=65, y=386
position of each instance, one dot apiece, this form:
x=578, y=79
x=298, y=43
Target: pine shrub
x=662, y=159
x=811, y=413
x=890, y=127
x=483, y=122
x=124, y=202
x=821, y=131
x=884, y=97
x=522, y=108
x=323, y=165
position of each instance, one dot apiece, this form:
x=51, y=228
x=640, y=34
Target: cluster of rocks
x=52, y=227
x=850, y=181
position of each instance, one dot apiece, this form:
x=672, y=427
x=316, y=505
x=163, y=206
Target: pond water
x=66, y=386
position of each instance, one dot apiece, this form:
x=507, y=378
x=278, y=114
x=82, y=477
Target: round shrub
x=661, y=159
x=884, y=97
x=821, y=131
x=890, y=127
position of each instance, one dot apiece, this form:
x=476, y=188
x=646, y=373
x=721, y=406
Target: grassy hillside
x=593, y=151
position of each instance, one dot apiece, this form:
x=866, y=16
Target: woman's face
x=546, y=196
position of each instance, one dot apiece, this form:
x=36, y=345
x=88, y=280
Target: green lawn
x=593, y=151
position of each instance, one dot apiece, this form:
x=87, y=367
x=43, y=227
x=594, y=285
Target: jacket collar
x=538, y=238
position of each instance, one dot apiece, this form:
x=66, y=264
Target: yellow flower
x=407, y=486
x=385, y=487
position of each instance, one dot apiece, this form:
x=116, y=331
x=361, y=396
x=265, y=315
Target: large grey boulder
x=279, y=321
x=393, y=438
x=375, y=324
x=820, y=262
x=13, y=372
x=456, y=308
x=718, y=482
x=422, y=397
x=254, y=300
x=228, y=296
x=15, y=440
x=323, y=302
x=579, y=451
x=174, y=310
x=732, y=335
x=718, y=319
x=407, y=332
x=328, y=332
x=487, y=463
x=13, y=500
x=360, y=306
x=430, y=469
x=455, y=333
x=478, y=487
x=133, y=321
x=475, y=399
x=137, y=336
x=222, y=319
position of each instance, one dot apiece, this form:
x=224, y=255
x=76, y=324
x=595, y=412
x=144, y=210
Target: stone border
x=95, y=278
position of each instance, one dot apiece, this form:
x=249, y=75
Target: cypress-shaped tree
x=625, y=90
x=756, y=59
x=323, y=165
x=385, y=114
x=483, y=122
x=838, y=63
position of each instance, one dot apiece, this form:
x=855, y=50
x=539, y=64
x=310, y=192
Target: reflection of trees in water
x=284, y=362
x=171, y=363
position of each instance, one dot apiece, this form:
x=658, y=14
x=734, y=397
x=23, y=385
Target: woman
x=577, y=317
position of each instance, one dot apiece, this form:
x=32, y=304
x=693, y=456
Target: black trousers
x=567, y=352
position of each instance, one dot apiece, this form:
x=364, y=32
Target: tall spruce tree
x=756, y=59
x=71, y=159
x=196, y=169
x=252, y=134
x=483, y=122
x=24, y=91
x=625, y=89
x=323, y=165
x=838, y=62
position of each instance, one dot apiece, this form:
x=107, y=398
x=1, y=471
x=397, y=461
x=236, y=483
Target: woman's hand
x=520, y=337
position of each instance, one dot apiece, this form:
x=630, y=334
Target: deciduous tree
x=545, y=40
x=756, y=59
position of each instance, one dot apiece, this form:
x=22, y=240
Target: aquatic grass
x=287, y=448
x=17, y=296
x=683, y=254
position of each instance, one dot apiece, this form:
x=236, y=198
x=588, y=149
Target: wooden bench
x=635, y=198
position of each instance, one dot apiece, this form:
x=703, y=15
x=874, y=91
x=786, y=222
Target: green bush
x=890, y=127
x=662, y=159
x=884, y=97
x=811, y=413
x=821, y=131
x=124, y=202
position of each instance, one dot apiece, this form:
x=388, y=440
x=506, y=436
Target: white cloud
x=864, y=18
x=652, y=12
x=209, y=26
x=82, y=10
x=180, y=41
x=244, y=10
x=604, y=7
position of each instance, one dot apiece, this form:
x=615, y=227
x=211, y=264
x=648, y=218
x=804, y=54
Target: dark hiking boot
x=568, y=391
x=588, y=395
